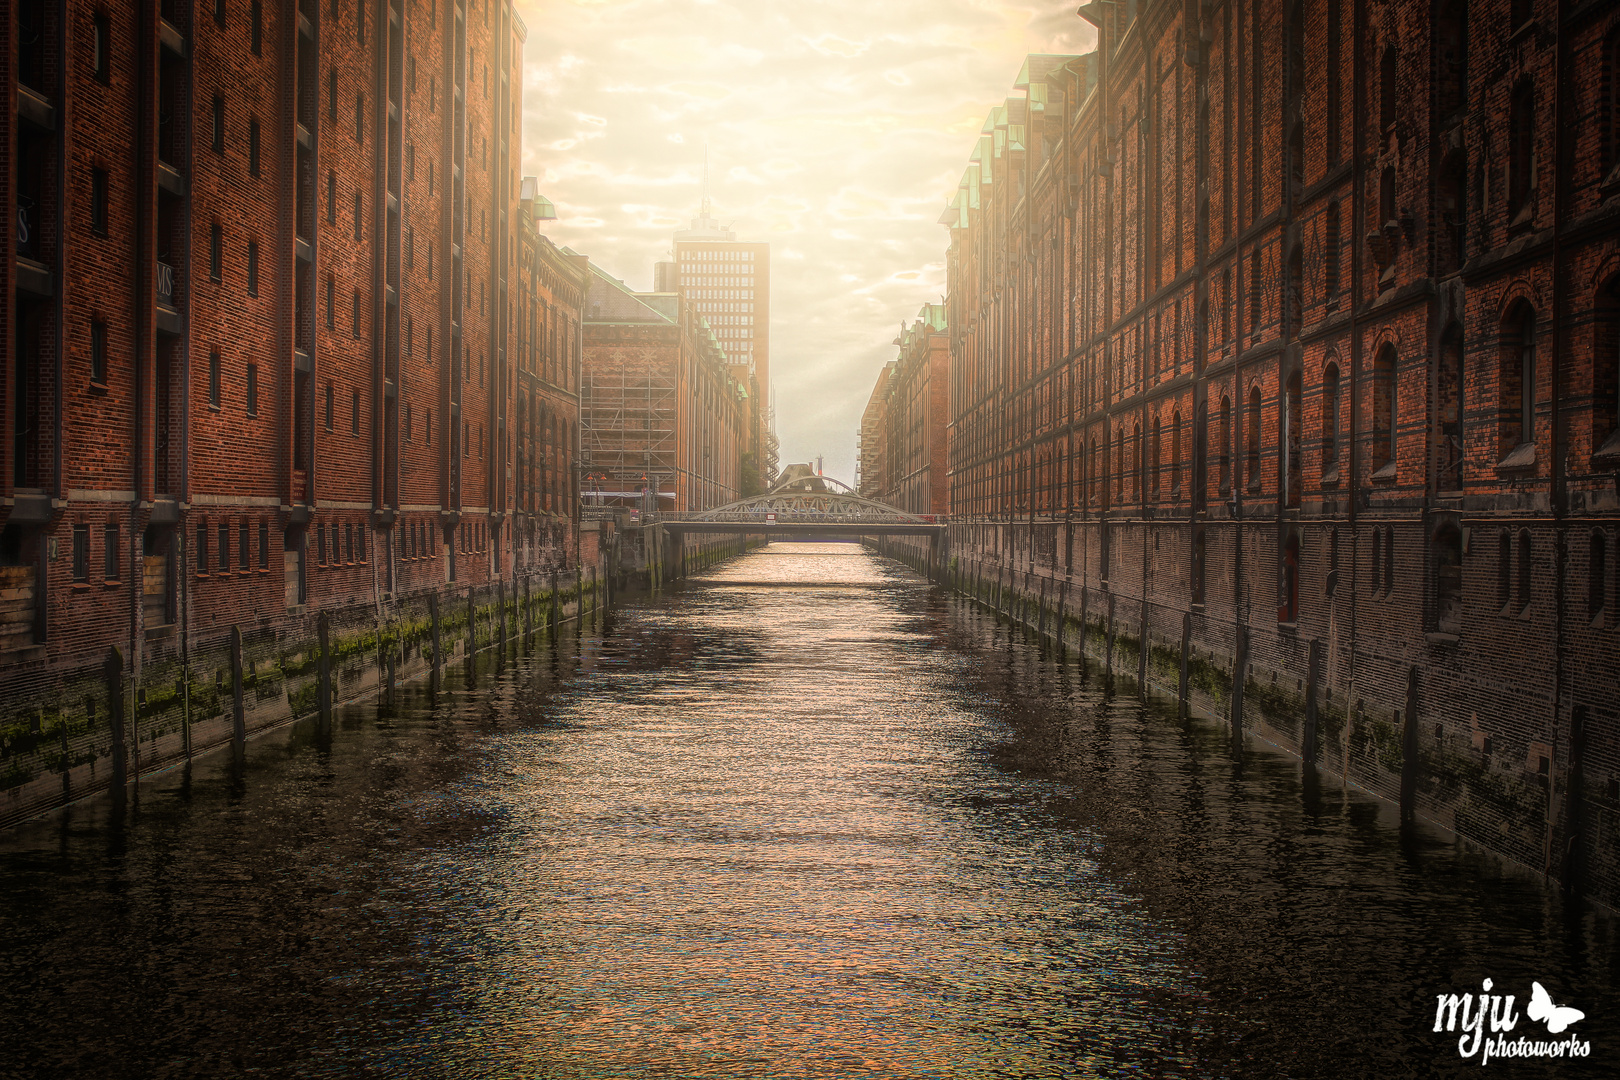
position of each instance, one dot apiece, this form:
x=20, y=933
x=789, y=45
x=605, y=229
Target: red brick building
x=550, y=343
x=915, y=416
x=665, y=418
x=871, y=475
x=279, y=334
x=1298, y=320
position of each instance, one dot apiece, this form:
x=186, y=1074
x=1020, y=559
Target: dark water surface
x=806, y=817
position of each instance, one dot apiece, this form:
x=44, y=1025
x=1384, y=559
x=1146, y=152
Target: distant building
x=916, y=415
x=728, y=282
x=664, y=416
x=870, y=477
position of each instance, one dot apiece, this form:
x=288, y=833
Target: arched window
x=1226, y=444
x=1525, y=560
x=1522, y=153
x=1504, y=570
x=1119, y=467
x=1597, y=569
x=1376, y=577
x=1389, y=560
x=1516, y=385
x=1449, y=415
x=1451, y=240
x=1252, y=437
x=1387, y=105
x=1158, y=442
x=1136, y=465
x=1383, y=410
x=1446, y=560
x=1288, y=581
x=1293, y=421
x=1330, y=421
x=1175, y=455
x=1093, y=467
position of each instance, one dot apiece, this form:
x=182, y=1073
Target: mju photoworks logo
x=1469, y=1015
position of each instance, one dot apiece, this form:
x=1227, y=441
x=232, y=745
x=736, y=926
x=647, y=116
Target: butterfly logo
x=1558, y=1017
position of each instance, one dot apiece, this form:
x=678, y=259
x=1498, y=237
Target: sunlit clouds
x=834, y=130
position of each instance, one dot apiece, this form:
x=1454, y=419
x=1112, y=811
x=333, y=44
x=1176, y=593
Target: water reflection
x=804, y=816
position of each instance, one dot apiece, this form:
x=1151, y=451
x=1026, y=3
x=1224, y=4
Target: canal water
x=805, y=816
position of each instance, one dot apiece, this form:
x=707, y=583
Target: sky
x=836, y=130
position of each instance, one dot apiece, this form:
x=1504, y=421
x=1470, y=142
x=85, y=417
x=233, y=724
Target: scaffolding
x=627, y=431
x=772, y=446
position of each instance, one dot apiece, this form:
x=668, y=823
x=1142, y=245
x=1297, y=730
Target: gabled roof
x=610, y=300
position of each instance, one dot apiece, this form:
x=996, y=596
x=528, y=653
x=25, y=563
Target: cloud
x=832, y=130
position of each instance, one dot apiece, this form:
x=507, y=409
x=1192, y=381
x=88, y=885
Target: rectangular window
x=218, y=142
x=111, y=559
x=253, y=147
x=427, y=428
x=359, y=211
x=354, y=418
x=98, y=201
x=348, y=542
x=410, y=75
x=81, y=553
x=328, y=406
x=101, y=49
x=360, y=24
x=98, y=352
x=264, y=545
x=331, y=198
x=253, y=268
x=410, y=161
x=258, y=27
x=213, y=380
x=202, y=547
x=407, y=423
x=219, y=13
x=253, y=390
x=320, y=545
x=331, y=316
x=357, y=313
x=243, y=536
x=224, y=554
x=359, y=116
x=331, y=94
x=216, y=251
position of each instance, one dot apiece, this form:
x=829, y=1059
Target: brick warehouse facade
x=281, y=337
x=871, y=473
x=914, y=417
x=664, y=410
x=1284, y=378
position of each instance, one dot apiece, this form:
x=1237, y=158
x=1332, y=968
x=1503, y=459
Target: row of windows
x=111, y=551
x=216, y=560
x=101, y=37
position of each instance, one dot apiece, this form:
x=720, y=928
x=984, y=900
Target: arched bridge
x=805, y=506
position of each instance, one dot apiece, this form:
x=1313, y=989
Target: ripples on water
x=803, y=817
